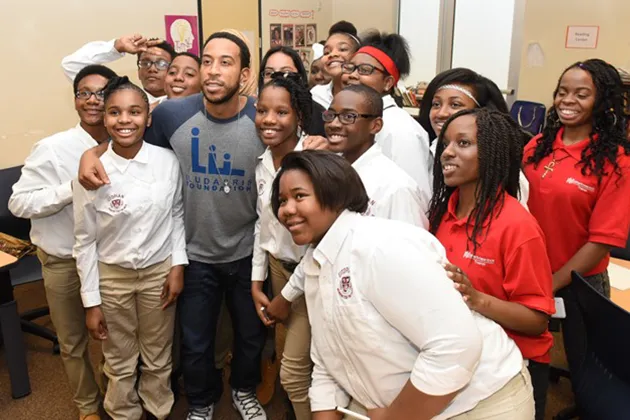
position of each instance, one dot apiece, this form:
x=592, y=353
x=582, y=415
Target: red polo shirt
x=573, y=209
x=510, y=264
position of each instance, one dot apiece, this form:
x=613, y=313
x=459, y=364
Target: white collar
x=366, y=157
x=330, y=245
x=388, y=101
x=121, y=164
x=85, y=137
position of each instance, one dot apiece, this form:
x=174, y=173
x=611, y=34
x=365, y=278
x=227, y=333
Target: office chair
x=28, y=269
x=597, y=343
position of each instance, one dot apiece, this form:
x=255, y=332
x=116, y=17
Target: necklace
x=521, y=122
x=225, y=182
x=549, y=167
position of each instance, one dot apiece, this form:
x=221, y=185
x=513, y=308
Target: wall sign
x=582, y=37
x=182, y=32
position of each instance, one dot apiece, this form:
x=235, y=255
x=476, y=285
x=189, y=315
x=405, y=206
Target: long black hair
x=290, y=52
x=609, y=122
x=485, y=91
x=500, y=151
x=301, y=100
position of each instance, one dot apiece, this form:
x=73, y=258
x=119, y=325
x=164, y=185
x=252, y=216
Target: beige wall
x=36, y=96
x=546, y=23
x=236, y=14
x=374, y=14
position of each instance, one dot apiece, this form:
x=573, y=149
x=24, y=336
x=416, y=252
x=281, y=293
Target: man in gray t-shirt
x=215, y=140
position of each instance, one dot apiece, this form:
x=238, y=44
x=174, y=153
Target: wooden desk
x=621, y=297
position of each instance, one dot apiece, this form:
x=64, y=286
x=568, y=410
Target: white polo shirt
x=393, y=195
x=135, y=221
x=97, y=52
x=383, y=311
x=323, y=94
x=405, y=142
x=44, y=192
x=270, y=236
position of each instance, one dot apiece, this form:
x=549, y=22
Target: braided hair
x=486, y=92
x=500, y=151
x=118, y=83
x=608, y=122
x=301, y=100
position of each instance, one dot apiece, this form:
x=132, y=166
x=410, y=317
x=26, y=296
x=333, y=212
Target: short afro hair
x=97, y=69
x=242, y=46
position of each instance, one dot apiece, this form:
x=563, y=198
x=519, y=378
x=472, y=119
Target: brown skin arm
x=91, y=172
x=327, y=415
x=583, y=261
x=413, y=404
x=511, y=315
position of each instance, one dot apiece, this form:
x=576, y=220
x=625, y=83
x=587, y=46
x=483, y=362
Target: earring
x=611, y=111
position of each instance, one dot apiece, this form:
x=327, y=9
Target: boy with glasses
x=44, y=195
x=154, y=58
x=380, y=63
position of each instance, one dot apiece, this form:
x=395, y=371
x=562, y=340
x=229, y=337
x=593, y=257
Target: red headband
x=382, y=58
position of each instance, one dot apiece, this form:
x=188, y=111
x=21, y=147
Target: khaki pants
x=63, y=287
x=137, y=326
x=515, y=401
x=296, y=366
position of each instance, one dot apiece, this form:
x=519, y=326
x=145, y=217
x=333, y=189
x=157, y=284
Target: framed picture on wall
x=275, y=34
x=299, y=36
x=305, y=56
x=287, y=34
x=311, y=34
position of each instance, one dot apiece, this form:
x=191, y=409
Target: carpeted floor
x=51, y=398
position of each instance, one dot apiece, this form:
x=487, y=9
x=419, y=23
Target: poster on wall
x=275, y=34
x=287, y=34
x=305, y=56
x=582, y=37
x=311, y=34
x=299, y=36
x=182, y=32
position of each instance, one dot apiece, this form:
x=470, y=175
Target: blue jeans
x=199, y=305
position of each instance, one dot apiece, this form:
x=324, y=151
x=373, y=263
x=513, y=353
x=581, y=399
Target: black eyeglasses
x=159, y=64
x=86, y=94
x=345, y=118
x=363, y=69
x=272, y=74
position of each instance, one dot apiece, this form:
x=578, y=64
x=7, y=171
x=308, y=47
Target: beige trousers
x=137, y=326
x=63, y=288
x=296, y=365
x=515, y=401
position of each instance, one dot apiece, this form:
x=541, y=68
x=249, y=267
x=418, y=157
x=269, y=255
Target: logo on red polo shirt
x=345, y=285
x=117, y=203
x=477, y=259
x=581, y=186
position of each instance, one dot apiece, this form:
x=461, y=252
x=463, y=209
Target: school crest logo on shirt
x=117, y=203
x=261, y=187
x=345, y=285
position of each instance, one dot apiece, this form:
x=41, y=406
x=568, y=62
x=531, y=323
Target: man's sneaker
x=202, y=413
x=247, y=405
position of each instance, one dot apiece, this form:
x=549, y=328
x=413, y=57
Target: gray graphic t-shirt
x=215, y=156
